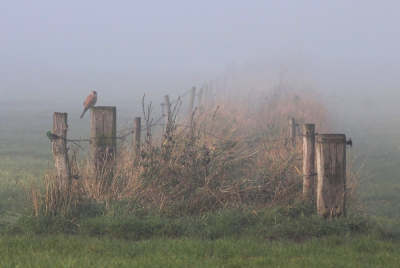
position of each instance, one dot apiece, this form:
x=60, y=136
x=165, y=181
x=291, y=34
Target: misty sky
x=53, y=49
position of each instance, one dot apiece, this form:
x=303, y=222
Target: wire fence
x=115, y=158
x=76, y=141
x=50, y=135
x=130, y=131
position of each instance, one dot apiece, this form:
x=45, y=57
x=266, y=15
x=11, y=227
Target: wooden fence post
x=60, y=152
x=104, y=140
x=191, y=103
x=308, y=160
x=200, y=100
x=168, y=110
x=137, y=131
x=331, y=169
x=293, y=130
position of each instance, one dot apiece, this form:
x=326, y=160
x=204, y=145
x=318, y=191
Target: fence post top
x=322, y=138
x=104, y=107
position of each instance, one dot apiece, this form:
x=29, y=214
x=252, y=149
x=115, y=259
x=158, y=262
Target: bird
x=89, y=102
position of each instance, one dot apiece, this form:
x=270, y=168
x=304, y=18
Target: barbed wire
x=77, y=141
x=180, y=97
x=223, y=139
x=156, y=123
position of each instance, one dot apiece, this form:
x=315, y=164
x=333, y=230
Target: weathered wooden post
x=168, y=110
x=191, y=101
x=293, y=130
x=168, y=129
x=104, y=140
x=200, y=105
x=60, y=152
x=331, y=169
x=136, y=131
x=308, y=160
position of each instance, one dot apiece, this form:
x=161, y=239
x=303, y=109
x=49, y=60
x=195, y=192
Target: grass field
x=78, y=251
x=280, y=234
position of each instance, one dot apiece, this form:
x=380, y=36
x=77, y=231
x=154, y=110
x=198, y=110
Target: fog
x=53, y=54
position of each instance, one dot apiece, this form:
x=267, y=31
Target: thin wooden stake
x=308, y=160
x=331, y=169
x=200, y=105
x=168, y=110
x=60, y=152
x=293, y=130
x=136, y=130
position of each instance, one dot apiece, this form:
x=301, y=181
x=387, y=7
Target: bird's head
x=94, y=93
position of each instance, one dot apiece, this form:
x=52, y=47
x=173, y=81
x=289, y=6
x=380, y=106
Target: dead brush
x=238, y=153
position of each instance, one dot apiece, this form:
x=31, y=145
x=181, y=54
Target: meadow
x=203, y=197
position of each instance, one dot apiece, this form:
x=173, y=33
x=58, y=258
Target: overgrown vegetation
x=230, y=161
x=227, y=178
x=238, y=154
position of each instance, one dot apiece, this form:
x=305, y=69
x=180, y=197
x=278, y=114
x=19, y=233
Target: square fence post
x=103, y=140
x=331, y=169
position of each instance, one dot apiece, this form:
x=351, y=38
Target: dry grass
x=233, y=152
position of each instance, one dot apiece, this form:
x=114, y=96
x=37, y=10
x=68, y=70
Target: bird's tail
x=84, y=111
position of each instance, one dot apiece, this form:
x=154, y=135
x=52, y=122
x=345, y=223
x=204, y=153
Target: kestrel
x=89, y=102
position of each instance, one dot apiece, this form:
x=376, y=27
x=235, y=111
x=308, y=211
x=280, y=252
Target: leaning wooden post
x=60, y=152
x=331, y=169
x=293, y=130
x=136, y=131
x=200, y=105
x=168, y=118
x=191, y=102
x=308, y=160
x=104, y=140
x=167, y=109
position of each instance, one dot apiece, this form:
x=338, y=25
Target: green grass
x=378, y=150
x=297, y=222
x=80, y=251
